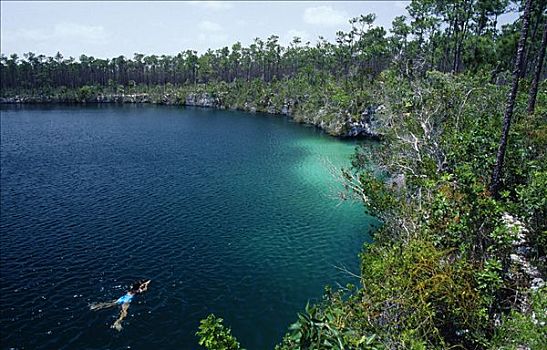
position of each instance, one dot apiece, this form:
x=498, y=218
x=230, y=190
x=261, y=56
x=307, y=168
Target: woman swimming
x=137, y=288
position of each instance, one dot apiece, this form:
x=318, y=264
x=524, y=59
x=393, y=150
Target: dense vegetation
x=448, y=36
x=459, y=179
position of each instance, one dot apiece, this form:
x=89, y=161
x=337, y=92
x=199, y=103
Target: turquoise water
x=228, y=213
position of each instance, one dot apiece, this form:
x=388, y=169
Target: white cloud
x=325, y=15
x=209, y=26
x=25, y=34
x=212, y=5
x=213, y=40
x=212, y=35
x=61, y=32
x=78, y=31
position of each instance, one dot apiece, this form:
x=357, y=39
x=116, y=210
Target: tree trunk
x=455, y=58
x=498, y=168
x=464, y=37
x=463, y=34
x=537, y=74
x=528, y=53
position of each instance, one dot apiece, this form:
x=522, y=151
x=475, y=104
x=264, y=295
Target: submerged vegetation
x=458, y=181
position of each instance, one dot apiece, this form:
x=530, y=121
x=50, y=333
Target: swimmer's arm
x=144, y=287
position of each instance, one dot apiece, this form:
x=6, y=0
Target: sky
x=108, y=29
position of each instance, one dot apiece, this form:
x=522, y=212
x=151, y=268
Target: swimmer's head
x=139, y=286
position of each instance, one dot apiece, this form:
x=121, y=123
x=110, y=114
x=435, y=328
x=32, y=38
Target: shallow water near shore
x=227, y=212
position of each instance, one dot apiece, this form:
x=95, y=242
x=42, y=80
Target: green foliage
x=213, y=335
x=86, y=93
x=434, y=35
x=416, y=286
x=489, y=281
x=329, y=325
x=532, y=200
x=440, y=271
x=519, y=330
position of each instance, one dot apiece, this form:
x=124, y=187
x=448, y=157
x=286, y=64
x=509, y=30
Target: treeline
x=448, y=36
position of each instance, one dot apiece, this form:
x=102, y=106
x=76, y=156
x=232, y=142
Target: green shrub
x=330, y=325
x=416, y=286
x=213, y=335
x=524, y=330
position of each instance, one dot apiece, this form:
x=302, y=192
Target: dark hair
x=135, y=288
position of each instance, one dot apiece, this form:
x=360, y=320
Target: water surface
x=228, y=213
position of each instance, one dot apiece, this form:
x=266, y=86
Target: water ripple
x=226, y=212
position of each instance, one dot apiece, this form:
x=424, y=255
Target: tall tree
x=537, y=74
x=498, y=167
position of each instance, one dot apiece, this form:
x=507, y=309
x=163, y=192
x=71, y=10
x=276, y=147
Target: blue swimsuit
x=125, y=299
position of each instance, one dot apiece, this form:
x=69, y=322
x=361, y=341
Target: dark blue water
x=227, y=213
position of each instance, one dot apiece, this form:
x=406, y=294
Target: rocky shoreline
x=342, y=125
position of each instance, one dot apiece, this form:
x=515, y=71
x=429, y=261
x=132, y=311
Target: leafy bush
x=524, y=330
x=330, y=325
x=213, y=335
x=419, y=287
